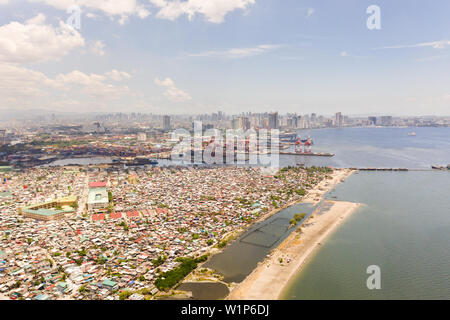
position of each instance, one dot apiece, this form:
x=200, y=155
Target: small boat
x=412, y=134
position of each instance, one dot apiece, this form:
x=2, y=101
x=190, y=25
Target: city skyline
x=165, y=58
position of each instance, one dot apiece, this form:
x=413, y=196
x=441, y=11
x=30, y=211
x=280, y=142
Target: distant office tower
x=302, y=122
x=247, y=124
x=386, y=121
x=241, y=123
x=313, y=118
x=2, y=137
x=338, y=120
x=236, y=123
x=321, y=119
x=373, y=120
x=289, y=122
x=166, y=122
x=273, y=120
x=292, y=122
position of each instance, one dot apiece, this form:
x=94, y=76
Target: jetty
x=309, y=154
x=380, y=169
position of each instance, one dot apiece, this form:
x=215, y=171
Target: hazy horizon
x=198, y=57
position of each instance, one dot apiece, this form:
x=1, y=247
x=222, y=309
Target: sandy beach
x=315, y=195
x=269, y=279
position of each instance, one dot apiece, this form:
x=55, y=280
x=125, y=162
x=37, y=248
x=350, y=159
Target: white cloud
x=122, y=9
x=97, y=48
x=95, y=85
x=236, y=53
x=213, y=10
x=91, y=15
x=16, y=81
x=434, y=44
x=35, y=41
x=310, y=12
x=38, y=20
x=172, y=92
x=345, y=54
x=23, y=87
x=118, y=75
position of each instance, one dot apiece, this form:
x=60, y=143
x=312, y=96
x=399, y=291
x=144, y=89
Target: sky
x=202, y=56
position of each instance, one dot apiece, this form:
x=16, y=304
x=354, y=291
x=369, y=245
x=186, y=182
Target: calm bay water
x=404, y=228
x=377, y=147
x=354, y=147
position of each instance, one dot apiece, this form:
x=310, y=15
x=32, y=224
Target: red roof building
x=132, y=214
x=97, y=185
x=115, y=215
x=98, y=217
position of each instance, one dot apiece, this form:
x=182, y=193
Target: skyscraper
x=166, y=122
x=2, y=137
x=338, y=120
x=386, y=121
x=273, y=120
x=236, y=123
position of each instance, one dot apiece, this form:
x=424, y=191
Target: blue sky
x=201, y=56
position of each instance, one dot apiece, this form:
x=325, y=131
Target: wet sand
x=315, y=195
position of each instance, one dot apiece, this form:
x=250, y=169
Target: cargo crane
x=303, y=145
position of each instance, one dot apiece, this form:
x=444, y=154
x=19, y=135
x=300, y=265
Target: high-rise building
x=246, y=125
x=240, y=123
x=273, y=120
x=166, y=122
x=373, y=120
x=2, y=137
x=236, y=123
x=303, y=122
x=386, y=121
x=292, y=122
x=338, y=120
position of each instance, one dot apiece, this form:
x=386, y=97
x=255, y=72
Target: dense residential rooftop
x=154, y=216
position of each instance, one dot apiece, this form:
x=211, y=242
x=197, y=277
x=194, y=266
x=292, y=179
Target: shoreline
x=313, y=196
x=338, y=176
x=271, y=277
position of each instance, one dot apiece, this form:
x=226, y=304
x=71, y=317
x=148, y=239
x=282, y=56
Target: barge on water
x=438, y=167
